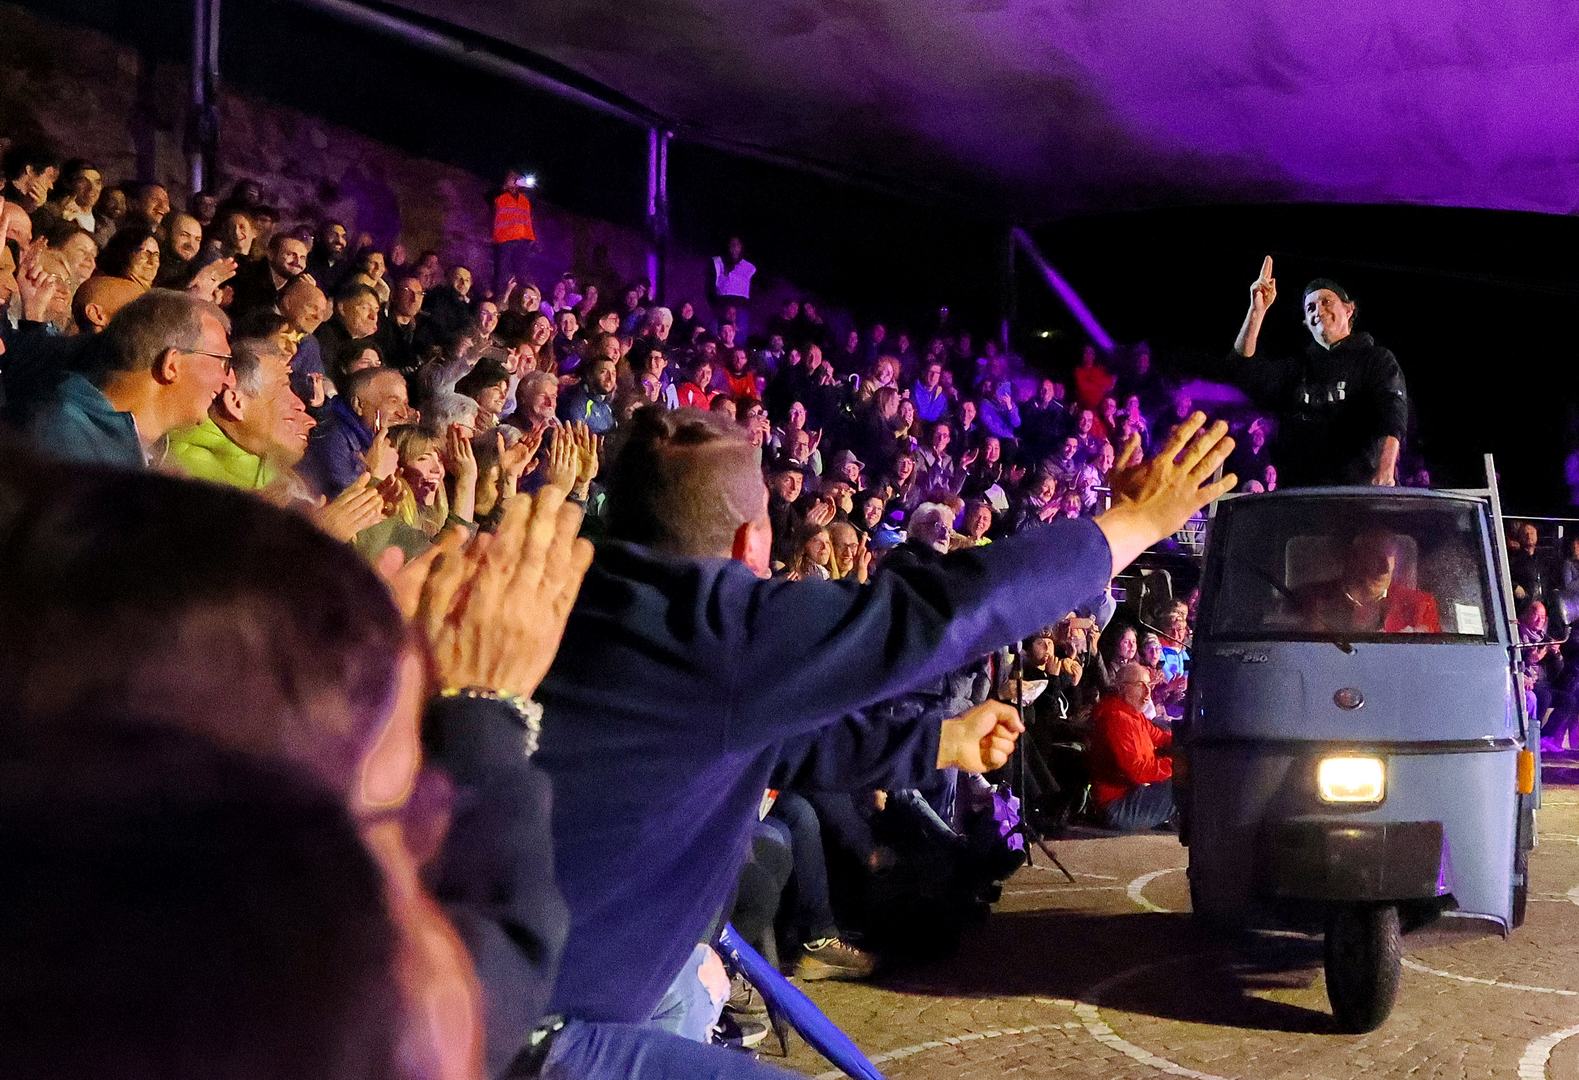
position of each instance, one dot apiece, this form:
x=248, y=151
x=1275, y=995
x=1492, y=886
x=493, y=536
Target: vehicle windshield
x=1351, y=569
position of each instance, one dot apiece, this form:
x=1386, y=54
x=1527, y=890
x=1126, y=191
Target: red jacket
x=1124, y=747
x=692, y=396
x=743, y=385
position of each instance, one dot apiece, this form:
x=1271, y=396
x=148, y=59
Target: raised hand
x=380, y=457
x=564, y=457
x=863, y=562
x=1264, y=289
x=820, y=514
x=459, y=458
x=588, y=449
x=494, y=610
x=358, y=507
x=515, y=460
x=207, y=281
x=981, y=739
x=1153, y=500
x=38, y=287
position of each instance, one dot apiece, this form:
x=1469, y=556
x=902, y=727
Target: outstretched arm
x=1262, y=292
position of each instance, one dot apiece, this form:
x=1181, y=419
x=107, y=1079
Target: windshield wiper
x=1288, y=594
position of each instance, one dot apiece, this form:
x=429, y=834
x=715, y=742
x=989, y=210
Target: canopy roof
x=1030, y=109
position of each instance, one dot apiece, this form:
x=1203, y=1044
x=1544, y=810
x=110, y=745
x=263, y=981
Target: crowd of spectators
x=774, y=699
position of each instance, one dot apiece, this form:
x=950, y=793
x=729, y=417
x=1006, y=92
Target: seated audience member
x=449, y=305
x=328, y=263
x=424, y=502
x=305, y=307
x=823, y=953
x=695, y=391
x=851, y=556
x=255, y=429
x=537, y=403
x=813, y=556
x=100, y=299
x=158, y=366
x=133, y=253
x=397, y=335
x=313, y=664
x=738, y=378
x=372, y=401
x=1131, y=774
x=1000, y=414
x=258, y=284
x=130, y=858
x=488, y=384
x=590, y=401
x=445, y=411
x=178, y=260
x=355, y=318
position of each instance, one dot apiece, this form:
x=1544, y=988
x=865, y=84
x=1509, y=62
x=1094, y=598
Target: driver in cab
x=1366, y=598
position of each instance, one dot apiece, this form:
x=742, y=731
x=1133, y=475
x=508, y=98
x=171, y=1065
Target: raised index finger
x=1266, y=268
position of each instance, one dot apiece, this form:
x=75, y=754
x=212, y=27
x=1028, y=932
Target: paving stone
x=1079, y=981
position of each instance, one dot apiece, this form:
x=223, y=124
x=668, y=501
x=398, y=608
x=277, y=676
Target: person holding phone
x=514, y=237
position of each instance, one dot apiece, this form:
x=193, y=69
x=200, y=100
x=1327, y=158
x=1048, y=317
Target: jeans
x=512, y=259
x=686, y=1009
x=813, y=909
x=608, y=1051
x=762, y=882
x=1143, y=808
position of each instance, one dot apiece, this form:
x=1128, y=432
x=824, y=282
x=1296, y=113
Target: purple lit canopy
x=1036, y=108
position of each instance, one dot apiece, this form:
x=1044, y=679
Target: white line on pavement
x=1135, y=890
x=1532, y=1066
x=1415, y=965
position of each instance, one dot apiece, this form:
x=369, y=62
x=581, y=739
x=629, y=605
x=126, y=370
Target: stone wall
x=129, y=115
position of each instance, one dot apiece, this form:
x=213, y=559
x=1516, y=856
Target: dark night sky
x=1478, y=306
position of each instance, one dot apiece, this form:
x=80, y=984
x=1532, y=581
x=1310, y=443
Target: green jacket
x=204, y=452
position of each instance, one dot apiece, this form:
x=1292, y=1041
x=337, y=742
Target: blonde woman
x=426, y=459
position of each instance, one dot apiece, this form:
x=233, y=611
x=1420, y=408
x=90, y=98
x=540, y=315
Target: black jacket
x=1333, y=407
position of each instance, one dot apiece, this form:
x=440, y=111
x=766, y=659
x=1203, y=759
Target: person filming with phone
x=514, y=238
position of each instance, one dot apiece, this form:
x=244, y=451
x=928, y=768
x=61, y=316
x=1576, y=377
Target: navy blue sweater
x=684, y=687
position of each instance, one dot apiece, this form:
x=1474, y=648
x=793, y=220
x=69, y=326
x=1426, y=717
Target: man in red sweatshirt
x=1131, y=783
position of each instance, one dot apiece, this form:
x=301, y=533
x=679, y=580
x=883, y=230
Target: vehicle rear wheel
x=1364, y=953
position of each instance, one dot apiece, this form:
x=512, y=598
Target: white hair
x=447, y=409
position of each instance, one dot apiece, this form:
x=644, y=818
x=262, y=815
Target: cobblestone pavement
x=1109, y=978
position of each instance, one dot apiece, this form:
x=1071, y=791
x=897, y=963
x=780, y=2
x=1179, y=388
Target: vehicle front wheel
x=1364, y=954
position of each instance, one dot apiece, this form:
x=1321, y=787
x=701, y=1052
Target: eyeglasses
x=225, y=356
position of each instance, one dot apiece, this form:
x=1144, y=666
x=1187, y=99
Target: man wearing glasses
x=158, y=366
x=1131, y=770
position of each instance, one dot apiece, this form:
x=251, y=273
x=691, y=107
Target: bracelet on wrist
x=528, y=713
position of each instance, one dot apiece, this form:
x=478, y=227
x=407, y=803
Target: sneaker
x=831, y=958
x=738, y=1031
x=744, y=999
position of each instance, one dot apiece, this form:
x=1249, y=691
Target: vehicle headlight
x=1351, y=779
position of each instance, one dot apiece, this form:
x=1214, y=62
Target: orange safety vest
x=512, y=218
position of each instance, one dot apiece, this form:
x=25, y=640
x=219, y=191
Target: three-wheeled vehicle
x=1356, y=755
